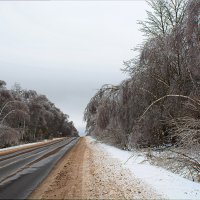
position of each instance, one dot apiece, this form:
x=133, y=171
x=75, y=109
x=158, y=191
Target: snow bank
x=19, y=146
x=25, y=145
x=166, y=183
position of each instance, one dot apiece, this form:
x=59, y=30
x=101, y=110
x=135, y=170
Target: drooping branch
x=9, y=113
x=164, y=97
x=7, y=103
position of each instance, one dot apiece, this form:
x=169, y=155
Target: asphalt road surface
x=23, y=170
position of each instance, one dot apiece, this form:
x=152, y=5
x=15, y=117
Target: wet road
x=23, y=170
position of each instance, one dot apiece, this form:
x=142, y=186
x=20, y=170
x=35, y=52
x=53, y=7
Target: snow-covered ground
x=25, y=145
x=166, y=183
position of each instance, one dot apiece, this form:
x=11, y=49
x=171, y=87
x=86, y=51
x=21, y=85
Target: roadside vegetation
x=158, y=106
x=26, y=116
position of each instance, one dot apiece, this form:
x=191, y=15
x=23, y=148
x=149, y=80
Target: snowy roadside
x=164, y=182
x=26, y=145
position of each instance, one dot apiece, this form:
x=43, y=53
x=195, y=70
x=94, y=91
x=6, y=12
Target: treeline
x=160, y=103
x=26, y=116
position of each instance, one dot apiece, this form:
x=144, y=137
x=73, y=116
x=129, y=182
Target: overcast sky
x=67, y=50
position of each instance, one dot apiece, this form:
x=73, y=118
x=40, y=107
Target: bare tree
x=163, y=17
x=27, y=116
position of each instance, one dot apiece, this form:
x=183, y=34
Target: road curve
x=23, y=170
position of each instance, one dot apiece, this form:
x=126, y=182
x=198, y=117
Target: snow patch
x=25, y=145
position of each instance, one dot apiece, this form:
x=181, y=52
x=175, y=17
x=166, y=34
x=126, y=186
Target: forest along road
x=87, y=172
x=21, y=171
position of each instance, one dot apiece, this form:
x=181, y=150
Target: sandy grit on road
x=87, y=172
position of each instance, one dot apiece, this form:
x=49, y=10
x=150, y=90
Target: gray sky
x=67, y=50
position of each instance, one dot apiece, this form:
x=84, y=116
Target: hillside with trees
x=26, y=116
x=158, y=106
